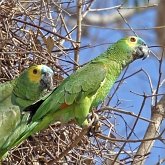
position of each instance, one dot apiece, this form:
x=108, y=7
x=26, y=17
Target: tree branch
x=158, y=113
x=79, y=19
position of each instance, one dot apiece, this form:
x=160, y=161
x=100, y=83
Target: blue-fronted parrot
x=17, y=94
x=86, y=88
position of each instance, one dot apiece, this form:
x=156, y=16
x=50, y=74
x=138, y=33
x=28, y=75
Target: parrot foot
x=95, y=124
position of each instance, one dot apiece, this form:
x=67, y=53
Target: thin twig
x=124, y=112
x=42, y=28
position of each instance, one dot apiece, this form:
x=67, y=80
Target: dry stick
x=72, y=145
x=134, y=125
x=124, y=112
x=82, y=16
x=159, y=79
x=124, y=29
x=104, y=9
x=67, y=31
x=101, y=136
x=69, y=36
x=120, y=7
x=158, y=113
x=88, y=8
x=127, y=23
x=79, y=19
x=42, y=28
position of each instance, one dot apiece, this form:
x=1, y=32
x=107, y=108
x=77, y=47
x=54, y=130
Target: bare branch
x=79, y=19
x=158, y=113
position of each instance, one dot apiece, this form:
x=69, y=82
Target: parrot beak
x=46, y=81
x=141, y=51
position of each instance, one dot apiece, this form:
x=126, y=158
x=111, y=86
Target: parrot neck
x=118, y=54
x=25, y=93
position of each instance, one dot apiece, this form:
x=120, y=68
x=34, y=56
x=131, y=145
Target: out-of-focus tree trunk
x=161, y=22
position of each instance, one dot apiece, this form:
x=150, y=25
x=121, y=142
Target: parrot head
x=131, y=48
x=141, y=50
x=31, y=84
x=40, y=74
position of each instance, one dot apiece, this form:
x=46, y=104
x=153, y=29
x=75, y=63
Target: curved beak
x=141, y=51
x=46, y=80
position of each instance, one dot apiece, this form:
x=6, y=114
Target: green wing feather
x=8, y=120
x=9, y=114
x=6, y=90
x=87, y=80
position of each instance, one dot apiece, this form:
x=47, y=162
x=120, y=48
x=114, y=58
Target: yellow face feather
x=34, y=73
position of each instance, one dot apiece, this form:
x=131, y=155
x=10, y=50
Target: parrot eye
x=133, y=39
x=35, y=71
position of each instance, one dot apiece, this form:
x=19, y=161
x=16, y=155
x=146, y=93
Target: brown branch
x=79, y=19
x=124, y=112
x=133, y=127
x=127, y=22
x=72, y=145
x=42, y=28
x=126, y=140
x=158, y=113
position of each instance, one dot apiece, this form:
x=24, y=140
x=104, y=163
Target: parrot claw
x=95, y=124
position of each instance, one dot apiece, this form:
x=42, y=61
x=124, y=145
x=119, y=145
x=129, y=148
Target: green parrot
x=17, y=94
x=84, y=89
x=88, y=86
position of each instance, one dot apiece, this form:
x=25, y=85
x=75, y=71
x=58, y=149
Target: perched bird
x=86, y=88
x=17, y=94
